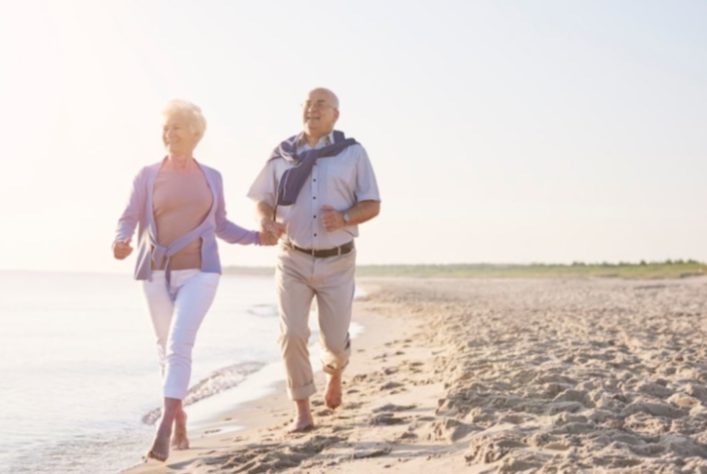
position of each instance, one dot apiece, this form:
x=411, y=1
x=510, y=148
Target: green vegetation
x=643, y=269
x=666, y=269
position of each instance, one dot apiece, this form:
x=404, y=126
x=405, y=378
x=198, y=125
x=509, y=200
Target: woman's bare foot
x=332, y=397
x=160, y=446
x=171, y=408
x=303, y=421
x=179, y=438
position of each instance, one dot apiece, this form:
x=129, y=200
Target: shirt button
x=314, y=197
x=315, y=235
x=315, y=216
x=315, y=179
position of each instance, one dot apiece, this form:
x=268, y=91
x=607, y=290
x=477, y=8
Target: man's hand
x=121, y=249
x=266, y=238
x=270, y=231
x=332, y=219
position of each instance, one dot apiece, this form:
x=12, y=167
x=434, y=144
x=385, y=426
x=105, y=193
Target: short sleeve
x=366, y=184
x=264, y=188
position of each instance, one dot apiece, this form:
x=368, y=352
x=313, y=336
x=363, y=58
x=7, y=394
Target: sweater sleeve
x=227, y=230
x=133, y=210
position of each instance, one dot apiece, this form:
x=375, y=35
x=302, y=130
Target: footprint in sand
x=392, y=407
x=391, y=386
x=387, y=419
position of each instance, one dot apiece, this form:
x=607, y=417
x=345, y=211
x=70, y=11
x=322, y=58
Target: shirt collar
x=324, y=141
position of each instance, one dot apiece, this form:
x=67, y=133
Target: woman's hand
x=121, y=249
x=270, y=231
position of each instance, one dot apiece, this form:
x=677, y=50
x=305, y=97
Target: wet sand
x=484, y=376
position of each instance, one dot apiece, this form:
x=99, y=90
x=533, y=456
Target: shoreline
x=494, y=376
x=272, y=411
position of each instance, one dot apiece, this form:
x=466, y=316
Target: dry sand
x=483, y=376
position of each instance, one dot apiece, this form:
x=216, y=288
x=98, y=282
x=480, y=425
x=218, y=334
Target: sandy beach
x=502, y=375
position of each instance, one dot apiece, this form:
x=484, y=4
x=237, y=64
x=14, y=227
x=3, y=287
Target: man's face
x=319, y=113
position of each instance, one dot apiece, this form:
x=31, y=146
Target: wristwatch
x=346, y=217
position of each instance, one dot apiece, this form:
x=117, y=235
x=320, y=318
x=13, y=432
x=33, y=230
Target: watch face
x=347, y=218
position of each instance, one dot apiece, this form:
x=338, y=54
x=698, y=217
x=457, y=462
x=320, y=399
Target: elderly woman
x=178, y=207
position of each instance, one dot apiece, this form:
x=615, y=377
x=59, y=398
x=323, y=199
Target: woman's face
x=178, y=136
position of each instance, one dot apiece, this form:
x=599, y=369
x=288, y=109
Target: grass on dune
x=642, y=270
x=666, y=269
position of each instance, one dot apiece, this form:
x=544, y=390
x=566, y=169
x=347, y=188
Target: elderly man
x=313, y=192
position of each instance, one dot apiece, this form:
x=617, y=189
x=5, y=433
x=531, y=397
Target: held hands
x=121, y=249
x=332, y=219
x=270, y=231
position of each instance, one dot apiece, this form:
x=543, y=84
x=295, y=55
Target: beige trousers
x=300, y=278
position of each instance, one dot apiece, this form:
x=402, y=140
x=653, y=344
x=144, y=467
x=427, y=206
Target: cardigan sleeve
x=227, y=230
x=134, y=209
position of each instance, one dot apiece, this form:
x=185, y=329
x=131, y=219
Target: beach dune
x=505, y=375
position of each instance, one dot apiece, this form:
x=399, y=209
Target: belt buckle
x=312, y=252
x=338, y=250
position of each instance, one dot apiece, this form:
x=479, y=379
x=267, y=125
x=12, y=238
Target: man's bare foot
x=303, y=420
x=179, y=438
x=301, y=426
x=332, y=397
x=160, y=446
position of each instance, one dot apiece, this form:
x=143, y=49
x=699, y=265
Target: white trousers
x=177, y=321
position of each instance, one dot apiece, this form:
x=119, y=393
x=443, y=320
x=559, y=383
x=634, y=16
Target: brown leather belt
x=323, y=253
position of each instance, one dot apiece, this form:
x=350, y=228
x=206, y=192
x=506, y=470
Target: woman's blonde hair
x=192, y=112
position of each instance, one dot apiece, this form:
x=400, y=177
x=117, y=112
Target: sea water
x=79, y=378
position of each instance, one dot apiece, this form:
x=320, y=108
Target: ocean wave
x=263, y=310
x=218, y=381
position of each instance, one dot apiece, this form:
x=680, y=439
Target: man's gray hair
x=333, y=97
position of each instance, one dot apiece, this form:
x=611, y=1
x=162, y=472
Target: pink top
x=139, y=214
x=181, y=201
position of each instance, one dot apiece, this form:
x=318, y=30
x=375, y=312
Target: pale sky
x=500, y=131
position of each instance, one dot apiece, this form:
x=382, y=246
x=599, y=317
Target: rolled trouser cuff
x=301, y=393
x=334, y=368
x=175, y=393
x=334, y=362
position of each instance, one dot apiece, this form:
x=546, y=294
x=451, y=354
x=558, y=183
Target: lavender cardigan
x=139, y=212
